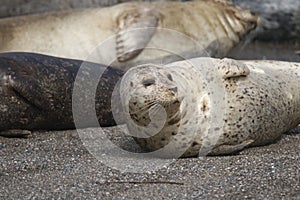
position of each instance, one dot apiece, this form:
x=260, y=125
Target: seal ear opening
x=205, y=104
x=204, y=107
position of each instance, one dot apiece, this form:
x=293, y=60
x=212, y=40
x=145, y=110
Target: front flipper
x=28, y=89
x=230, y=149
x=15, y=133
x=136, y=28
x=231, y=68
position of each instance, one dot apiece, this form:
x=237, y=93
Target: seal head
x=162, y=107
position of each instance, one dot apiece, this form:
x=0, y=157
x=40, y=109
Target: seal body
x=257, y=101
x=121, y=33
x=36, y=92
x=10, y=8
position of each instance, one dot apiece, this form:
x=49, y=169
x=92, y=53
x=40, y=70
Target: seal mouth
x=141, y=111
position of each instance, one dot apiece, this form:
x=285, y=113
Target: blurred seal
x=9, y=8
x=139, y=31
x=279, y=20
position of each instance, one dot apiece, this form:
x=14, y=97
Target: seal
x=9, y=8
x=36, y=93
x=189, y=29
x=279, y=20
x=261, y=101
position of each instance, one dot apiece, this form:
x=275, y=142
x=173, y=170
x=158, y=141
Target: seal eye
x=170, y=77
x=148, y=82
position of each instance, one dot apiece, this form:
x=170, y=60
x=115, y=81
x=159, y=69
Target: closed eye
x=148, y=82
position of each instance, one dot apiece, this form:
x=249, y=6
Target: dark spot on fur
x=174, y=121
x=194, y=144
x=204, y=107
x=170, y=77
x=184, y=123
x=175, y=102
x=131, y=84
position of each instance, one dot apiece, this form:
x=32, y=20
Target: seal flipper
x=136, y=29
x=229, y=149
x=15, y=133
x=29, y=91
x=231, y=68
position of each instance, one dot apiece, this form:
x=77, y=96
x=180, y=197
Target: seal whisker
x=146, y=107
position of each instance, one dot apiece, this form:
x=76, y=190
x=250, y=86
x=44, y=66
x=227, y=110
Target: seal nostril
x=148, y=82
x=170, y=77
x=175, y=89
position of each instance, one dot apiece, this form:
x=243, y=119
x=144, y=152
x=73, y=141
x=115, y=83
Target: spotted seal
x=207, y=27
x=36, y=93
x=258, y=101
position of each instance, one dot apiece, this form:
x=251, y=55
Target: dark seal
x=36, y=92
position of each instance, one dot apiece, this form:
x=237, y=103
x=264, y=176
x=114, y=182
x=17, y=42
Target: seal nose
x=174, y=89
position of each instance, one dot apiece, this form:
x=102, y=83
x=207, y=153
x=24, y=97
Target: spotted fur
x=261, y=101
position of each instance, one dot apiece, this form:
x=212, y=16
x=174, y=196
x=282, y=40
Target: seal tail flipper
x=230, y=149
x=15, y=133
x=136, y=29
x=231, y=68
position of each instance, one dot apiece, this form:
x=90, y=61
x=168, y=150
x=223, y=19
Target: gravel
x=57, y=165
